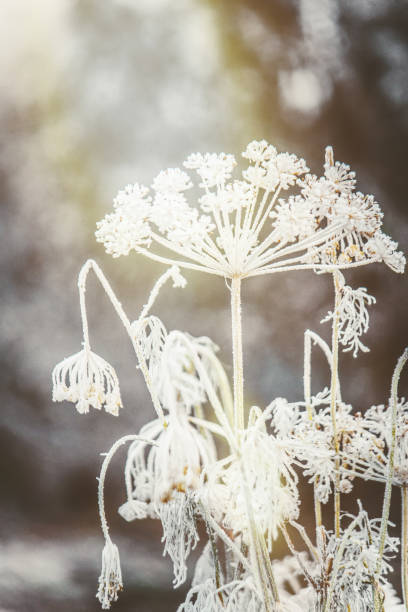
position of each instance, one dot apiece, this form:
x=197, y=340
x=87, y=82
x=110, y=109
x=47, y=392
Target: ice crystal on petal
x=87, y=380
x=110, y=580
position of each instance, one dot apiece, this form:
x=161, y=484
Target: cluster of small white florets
x=87, y=380
x=246, y=228
x=248, y=495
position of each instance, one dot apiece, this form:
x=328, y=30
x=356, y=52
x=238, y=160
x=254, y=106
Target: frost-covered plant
x=275, y=217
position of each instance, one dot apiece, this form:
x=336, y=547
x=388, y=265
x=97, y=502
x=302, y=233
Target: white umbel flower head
x=87, y=380
x=128, y=226
x=110, y=580
x=326, y=226
x=161, y=480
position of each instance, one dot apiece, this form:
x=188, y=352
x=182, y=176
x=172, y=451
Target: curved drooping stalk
x=102, y=475
x=92, y=265
x=388, y=486
x=110, y=579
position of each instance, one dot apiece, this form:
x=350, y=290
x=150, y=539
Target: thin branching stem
x=92, y=265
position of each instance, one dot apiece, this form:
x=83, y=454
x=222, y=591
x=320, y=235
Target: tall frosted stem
x=390, y=472
x=333, y=398
x=237, y=353
x=404, y=545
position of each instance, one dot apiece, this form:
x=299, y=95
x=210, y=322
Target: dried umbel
x=204, y=457
x=248, y=228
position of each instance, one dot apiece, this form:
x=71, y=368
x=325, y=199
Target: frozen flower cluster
x=209, y=463
x=244, y=226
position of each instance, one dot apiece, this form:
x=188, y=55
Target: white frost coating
x=87, y=380
x=353, y=316
x=246, y=489
x=328, y=225
x=179, y=532
x=110, y=580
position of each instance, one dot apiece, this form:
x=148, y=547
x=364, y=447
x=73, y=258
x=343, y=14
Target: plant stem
x=388, y=486
x=262, y=566
x=257, y=558
x=83, y=274
x=102, y=475
x=404, y=545
x=333, y=397
x=237, y=353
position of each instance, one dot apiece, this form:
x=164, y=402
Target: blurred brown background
x=95, y=95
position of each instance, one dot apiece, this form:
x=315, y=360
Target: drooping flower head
x=110, y=580
x=87, y=380
x=161, y=479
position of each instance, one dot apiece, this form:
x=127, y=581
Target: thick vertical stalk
x=260, y=565
x=333, y=397
x=404, y=545
x=237, y=353
x=258, y=562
